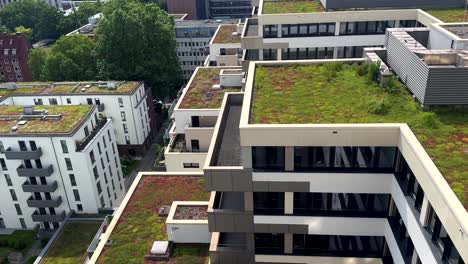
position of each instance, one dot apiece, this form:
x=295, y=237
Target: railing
x=34, y=172
x=28, y=187
x=23, y=154
x=81, y=145
x=56, y=202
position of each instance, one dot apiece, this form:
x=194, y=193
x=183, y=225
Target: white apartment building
x=128, y=104
x=54, y=160
x=195, y=114
x=225, y=46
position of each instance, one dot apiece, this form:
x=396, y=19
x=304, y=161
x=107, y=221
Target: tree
x=27, y=32
x=71, y=59
x=79, y=18
x=34, y=14
x=36, y=62
x=136, y=41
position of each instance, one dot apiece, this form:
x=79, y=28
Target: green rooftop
x=200, y=93
x=227, y=34
x=72, y=115
x=448, y=15
x=285, y=7
x=72, y=243
x=339, y=93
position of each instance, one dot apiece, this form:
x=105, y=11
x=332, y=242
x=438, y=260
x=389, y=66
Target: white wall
x=188, y=233
x=175, y=160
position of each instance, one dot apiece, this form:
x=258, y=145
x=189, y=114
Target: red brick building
x=14, y=52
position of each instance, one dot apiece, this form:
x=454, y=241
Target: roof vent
x=87, y=86
x=216, y=87
x=83, y=90
x=8, y=86
x=14, y=128
x=22, y=122
x=28, y=110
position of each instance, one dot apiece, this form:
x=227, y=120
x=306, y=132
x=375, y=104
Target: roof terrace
x=226, y=34
x=285, y=7
x=340, y=93
x=200, y=93
x=448, y=15
x=44, y=120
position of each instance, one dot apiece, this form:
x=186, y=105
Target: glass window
x=98, y=186
x=8, y=180
x=303, y=29
x=269, y=203
x=76, y=193
x=13, y=195
x=91, y=157
x=63, y=143
x=72, y=179
x=268, y=158
x=68, y=164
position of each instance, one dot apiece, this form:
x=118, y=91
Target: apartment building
x=222, y=9
x=195, y=115
x=54, y=160
x=195, y=9
x=193, y=38
x=225, y=47
x=303, y=170
x=14, y=54
x=128, y=104
x=284, y=31
x=54, y=3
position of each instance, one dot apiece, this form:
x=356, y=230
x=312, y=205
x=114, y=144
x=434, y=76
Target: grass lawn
x=225, y=35
x=448, y=15
x=139, y=225
x=338, y=93
x=71, y=116
x=284, y=7
x=200, y=94
x=70, y=247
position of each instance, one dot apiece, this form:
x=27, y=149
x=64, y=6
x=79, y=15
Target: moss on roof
x=72, y=115
x=285, y=7
x=225, y=35
x=448, y=15
x=200, y=94
x=339, y=93
x=69, y=88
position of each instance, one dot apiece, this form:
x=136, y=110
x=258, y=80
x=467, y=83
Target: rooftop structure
x=202, y=93
x=42, y=120
x=226, y=34
x=137, y=223
x=283, y=7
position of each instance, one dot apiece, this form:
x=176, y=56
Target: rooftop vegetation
x=225, y=35
x=139, y=225
x=69, y=88
x=285, y=7
x=448, y=15
x=200, y=93
x=20, y=240
x=70, y=247
x=71, y=117
x=340, y=93
x=23, y=90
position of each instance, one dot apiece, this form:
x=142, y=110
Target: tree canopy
x=136, y=41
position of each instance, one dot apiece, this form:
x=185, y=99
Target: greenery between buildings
x=71, y=245
x=284, y=7
x=448, y=15
x=139, y=226
x=129, y=164
x=341, y=93
x=20, y=240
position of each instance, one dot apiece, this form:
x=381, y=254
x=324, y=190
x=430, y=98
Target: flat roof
x=226, y=34
x=286, y=7
x=70, y=246
x=448, y=15
x=139, y=225
x=200, y=93
x=71, y=117
x=339, y=93
x=90, y=87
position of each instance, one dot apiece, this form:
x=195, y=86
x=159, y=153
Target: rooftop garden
x=448, y=15
x=71, y=117
x=340, y=93
x=71, y=245
x=226, y=34
x=139, y=225
x=70, y=88
x=285, y=7
x=200, y=94
x=23, y=90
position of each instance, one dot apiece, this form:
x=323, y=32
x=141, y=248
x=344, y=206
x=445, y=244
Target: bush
x=19, y=240
x=377, y=107
x=332, y=69
x=430, y=119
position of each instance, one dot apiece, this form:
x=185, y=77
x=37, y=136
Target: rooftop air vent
x=216, y=87
x=28, y=110
x=83, y=90
x=22, y=122
x=87, y=86
x=8, y=86
x=14, y=128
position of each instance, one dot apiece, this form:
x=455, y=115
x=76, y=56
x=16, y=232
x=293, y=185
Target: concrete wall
x=344, y=4
x=202, y=134
x=175, y=160
x=188, y=233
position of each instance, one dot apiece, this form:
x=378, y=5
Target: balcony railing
x=81, y=145
x=56, y=202
x=37, y=217
x=28, y=187
x=23, y=155
x=34, y=172
x=100, y=107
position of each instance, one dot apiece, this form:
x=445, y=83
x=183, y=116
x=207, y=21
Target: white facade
x=54, y=3
x=129, y=112
x=83, y=186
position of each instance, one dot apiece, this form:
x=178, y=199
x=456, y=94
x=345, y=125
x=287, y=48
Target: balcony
x=34, y=172
x=226, y=213
x=178, y=144
x=231, y=248
x=82, y=144
x=23, y=155
x=55, y=202
x=37, y=217
x=28, y=187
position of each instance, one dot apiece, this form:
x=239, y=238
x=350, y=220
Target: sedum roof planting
x=285, y=7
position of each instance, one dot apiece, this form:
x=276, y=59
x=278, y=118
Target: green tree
x=79, y=18
x=36, y=62
x=26, y=31
x=136, y=41
x=71, y=59
x=34, y=14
